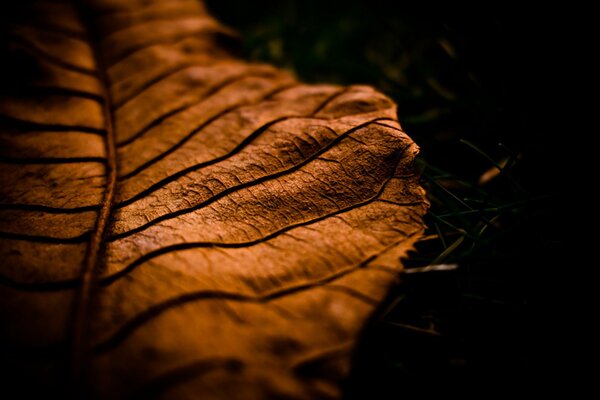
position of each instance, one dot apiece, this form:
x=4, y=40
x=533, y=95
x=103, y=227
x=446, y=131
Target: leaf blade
x=257, y=221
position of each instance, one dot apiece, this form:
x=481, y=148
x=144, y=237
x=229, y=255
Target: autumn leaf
x=178, y=223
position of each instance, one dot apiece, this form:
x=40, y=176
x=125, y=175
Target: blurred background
x=473, y=90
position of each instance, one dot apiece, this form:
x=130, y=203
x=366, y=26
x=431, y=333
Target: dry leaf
x=177, y=223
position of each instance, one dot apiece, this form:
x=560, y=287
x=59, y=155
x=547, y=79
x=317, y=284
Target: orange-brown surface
x=178, y=223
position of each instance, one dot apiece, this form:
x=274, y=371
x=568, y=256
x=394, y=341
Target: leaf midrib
x=89, y=274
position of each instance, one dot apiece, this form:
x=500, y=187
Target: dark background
x=476, y=89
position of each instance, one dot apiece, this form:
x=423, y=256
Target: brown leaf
x=178, y=223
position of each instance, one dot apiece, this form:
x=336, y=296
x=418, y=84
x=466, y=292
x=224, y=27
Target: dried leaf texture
x=177, y=223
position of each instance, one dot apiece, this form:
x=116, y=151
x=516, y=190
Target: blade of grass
x=494, y=163
x=446, y=253
x=440, y=235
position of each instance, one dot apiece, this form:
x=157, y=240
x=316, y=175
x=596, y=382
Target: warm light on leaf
x=178, y=223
